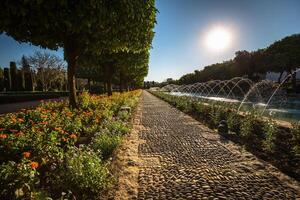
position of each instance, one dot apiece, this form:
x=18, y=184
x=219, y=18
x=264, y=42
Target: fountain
x=267, y=97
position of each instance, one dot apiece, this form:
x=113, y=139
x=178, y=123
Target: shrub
x=271, y=133
x=18, y=180
x=251, y=126
x=83, y=173
x=105, y=143
x=234, y=122
x=295, y=141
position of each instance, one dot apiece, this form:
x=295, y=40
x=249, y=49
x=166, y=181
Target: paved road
x=14, y=107
x=186, y=161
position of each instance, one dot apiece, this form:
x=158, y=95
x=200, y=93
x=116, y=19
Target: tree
x=28, y=78
x=13, y=76
x=284, y=55
x=123, y=68
x=49, y=69
x=80, y=26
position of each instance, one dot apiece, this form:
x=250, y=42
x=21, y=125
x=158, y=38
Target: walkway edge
x=126, y=163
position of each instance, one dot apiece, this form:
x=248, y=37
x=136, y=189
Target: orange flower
x=34, y=165
x=43, y=123
x=73, y=136
x=21, y=120
x=3, y=136
x=58, y=129
x=13, y=120
x=26, y=154
x=69, y=114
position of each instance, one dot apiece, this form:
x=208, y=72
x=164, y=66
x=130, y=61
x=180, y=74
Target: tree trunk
x=109, y=72
x=72, y=85
x=71, y=56
x=121, y=82
x=109, y=88
x=279, y=78
x=104, y=87
x=89, y=84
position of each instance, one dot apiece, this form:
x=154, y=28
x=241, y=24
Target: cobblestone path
x=183, y=163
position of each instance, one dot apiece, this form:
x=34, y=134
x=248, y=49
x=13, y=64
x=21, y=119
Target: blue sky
x=182, y=24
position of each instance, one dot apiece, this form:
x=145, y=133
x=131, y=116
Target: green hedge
x=11, y=97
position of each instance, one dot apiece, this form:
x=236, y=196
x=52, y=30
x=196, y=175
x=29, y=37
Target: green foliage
x=251, y=126
x=90, y=26
x=296, y=138
x=282, y=55
x=17, y=180
x=105, y=143
x=271, y=133
x=83, y=173
x=234, y=122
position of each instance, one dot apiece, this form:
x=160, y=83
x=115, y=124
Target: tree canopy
x=80, y=26
x=122, y=68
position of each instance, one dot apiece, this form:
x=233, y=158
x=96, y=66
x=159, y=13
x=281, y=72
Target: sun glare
x=218, y=39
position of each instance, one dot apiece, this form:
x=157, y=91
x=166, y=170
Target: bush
x=83, y=174
x=11, y=97
x=234, y=122
x=251, y=126
x=296, y=138
x=105, y=143
x=18, y=180
x=271, y=133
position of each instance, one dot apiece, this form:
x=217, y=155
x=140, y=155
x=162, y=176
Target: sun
x=218, y=39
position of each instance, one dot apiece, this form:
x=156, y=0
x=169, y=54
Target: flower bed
x=262, y=136
x=59, y=153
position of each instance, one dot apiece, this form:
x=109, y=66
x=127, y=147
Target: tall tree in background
x=285, y=55
x=13, y=75
x=28, y=76
x=80, y=26
x=49, y=69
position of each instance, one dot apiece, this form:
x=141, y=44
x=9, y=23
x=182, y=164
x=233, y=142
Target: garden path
x=183, y=159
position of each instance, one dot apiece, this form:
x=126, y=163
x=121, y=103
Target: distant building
x=273, y=76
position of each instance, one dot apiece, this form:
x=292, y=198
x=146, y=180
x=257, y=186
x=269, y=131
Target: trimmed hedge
x=12, y=97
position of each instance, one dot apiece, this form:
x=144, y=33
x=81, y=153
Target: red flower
x=26, y=154
x=3, y=136
x=2, y=129
x=34, y=165
x=13, y=130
